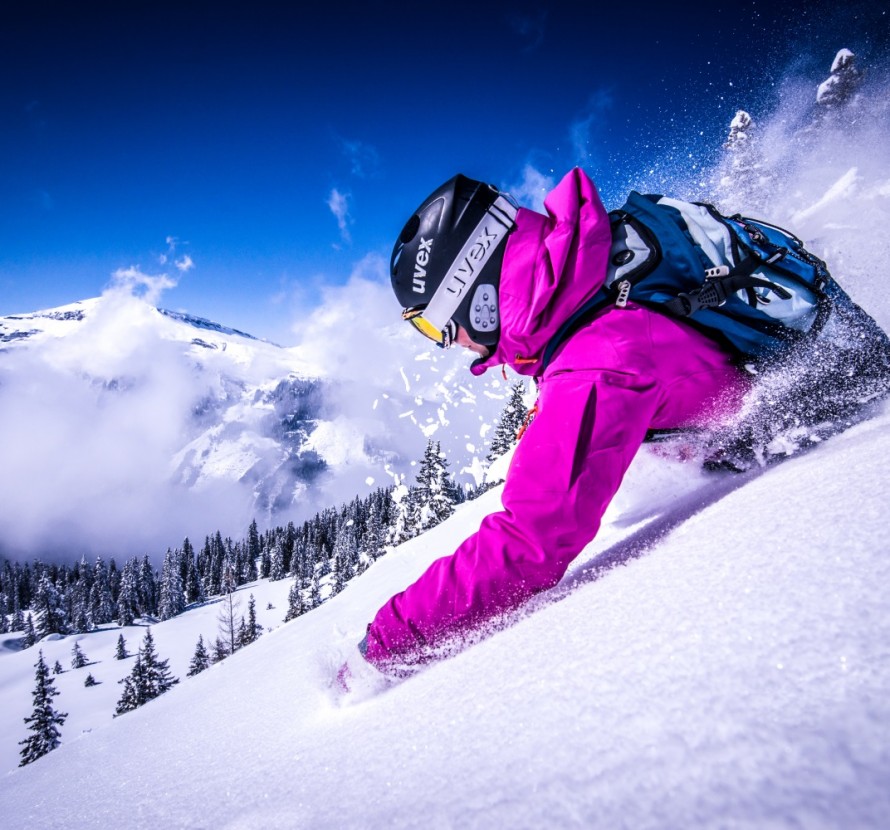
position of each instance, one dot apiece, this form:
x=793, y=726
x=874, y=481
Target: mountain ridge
x=208, y=419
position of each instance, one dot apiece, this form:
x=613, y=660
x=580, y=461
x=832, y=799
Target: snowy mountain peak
x=201, y=323
x=212, y=426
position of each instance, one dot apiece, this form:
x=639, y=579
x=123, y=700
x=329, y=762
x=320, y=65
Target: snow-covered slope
x=730, y=670
x=129, y=427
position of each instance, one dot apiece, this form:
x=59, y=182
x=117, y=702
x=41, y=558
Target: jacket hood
x=552, y=264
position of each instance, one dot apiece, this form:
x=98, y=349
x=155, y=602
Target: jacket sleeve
x=565, y=471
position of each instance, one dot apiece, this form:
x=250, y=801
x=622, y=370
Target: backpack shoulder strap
x=633, y=254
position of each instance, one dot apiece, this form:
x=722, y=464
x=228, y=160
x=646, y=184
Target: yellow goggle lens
x=441, y=337
x=427, y=329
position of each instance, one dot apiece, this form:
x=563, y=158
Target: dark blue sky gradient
x=228, y=126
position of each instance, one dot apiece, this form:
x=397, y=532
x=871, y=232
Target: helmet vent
x=410, y=229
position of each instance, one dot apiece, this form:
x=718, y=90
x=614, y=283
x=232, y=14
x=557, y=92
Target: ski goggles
x=443, y=337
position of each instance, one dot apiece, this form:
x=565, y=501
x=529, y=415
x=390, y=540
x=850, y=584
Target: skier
x=473, y=269
x=619, y=375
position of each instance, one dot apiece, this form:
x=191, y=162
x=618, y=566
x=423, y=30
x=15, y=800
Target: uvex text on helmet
x=448, y=257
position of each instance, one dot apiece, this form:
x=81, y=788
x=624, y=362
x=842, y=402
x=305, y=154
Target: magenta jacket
x=628, y=370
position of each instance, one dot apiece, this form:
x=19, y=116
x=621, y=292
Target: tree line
x=321, y=555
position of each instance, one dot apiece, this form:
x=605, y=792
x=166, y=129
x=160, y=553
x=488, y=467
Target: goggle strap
x=491, y=231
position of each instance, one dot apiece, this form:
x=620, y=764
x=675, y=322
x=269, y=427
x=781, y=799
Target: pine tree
x=157, y=671
x=114, y=581
x=219, y=651
x=216, y=555
x=128, y=595
x=433, y=497
x=276, y=561
x=253, y=549
x=510, y=422
x=253, y=627
x=314, y=592
x=18, y=617
x=289, y=543
x=744, y=182
x=149, y=678
x=120, y=652
x=30, y=633
x=340, y=575
x=4, y=610
x=203, y=564
x=442, y=490
x=51, y=617
x=238, y=557
x=345, y=554
x=838, y=103
x=101, y=602
x=200, y=660
x=419, y=495
x=57, y=668
x=739, y=139
x=295, y=607
x=372, y=541
x=79, y=599
x=44, y=721
x=172, y=600
x=90, y=681
x=133, y=694
x=78, y=658
x=401, y=528
x=148, y=588
x=842, y=84
x=4, y=620
x=193, y=585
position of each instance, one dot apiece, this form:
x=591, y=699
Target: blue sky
x=256, y=155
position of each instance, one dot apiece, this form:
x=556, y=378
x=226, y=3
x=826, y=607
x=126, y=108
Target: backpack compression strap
x=721, y=283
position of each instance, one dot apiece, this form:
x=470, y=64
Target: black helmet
x=446, y=264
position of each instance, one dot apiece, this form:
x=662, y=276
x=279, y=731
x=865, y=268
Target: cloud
x=184, y=264
x=531, y=189
x=363, y=311
x=364, y=160
x=584, y=130
x=170, y=252
x=90, y=422
x=825, y=180
x=133, y=282
x=390, y=388
x=338, y=203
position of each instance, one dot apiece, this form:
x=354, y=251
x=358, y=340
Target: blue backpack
x=743, y=281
